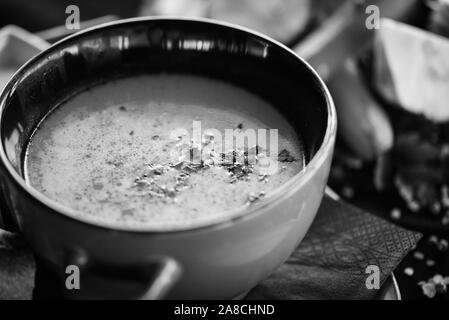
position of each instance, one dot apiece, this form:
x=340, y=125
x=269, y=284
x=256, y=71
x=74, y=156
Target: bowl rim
x=241, y=213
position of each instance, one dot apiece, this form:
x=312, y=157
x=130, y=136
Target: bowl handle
x=158, y=274
x=166, y=277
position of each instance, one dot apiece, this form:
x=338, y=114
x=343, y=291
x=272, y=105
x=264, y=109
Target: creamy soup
x=126, y=152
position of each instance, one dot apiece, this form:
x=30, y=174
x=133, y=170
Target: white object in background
x=186, y=8
x=17, y=46
x=411, y=69
x=280, y=19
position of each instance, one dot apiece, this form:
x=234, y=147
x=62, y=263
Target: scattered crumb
x=435, y=285
x=430, y=263
x=442, y=245
x=433, y=240
x=395, y=214
x=418, y=255
x=409, y=271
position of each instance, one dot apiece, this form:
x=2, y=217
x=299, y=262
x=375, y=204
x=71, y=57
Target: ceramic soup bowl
x=219, y=260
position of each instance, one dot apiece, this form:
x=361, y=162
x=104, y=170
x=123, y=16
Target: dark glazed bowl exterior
x=218, y=260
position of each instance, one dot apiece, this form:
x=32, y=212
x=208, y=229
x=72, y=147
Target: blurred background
x=281, y=19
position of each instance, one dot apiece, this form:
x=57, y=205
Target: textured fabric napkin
x=331, y=261
x=16, y=269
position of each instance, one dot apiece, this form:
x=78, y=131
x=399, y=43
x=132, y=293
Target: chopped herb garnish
x=239, y=165
x=284, y=156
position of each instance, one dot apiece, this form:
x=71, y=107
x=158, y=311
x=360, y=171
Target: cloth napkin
x=331, y=262
x=16, y=269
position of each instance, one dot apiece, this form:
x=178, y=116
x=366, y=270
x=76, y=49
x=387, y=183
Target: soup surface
x=128, y=151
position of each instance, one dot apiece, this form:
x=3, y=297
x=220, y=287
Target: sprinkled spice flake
x=153, y=189
x=263, y=177
x=196, y=158
x=285, y=156
x=252, y=197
